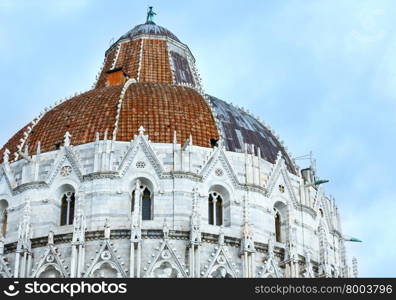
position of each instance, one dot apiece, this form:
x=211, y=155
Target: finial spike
x=6, y=155
x=105, y=135
x=174, y=137
x=141, y=130
x=38, y=151
x=107, y=229
x=165, y=229
x=67, y=139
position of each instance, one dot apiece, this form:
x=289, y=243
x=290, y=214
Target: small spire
x=107, y=229
x=67, y=141
x=150, y=15
x=38, y=150
x=6, y=156
x=50, y=237
x=174, y=137
x=105, y=135
x=165, y=229
x=141, y=130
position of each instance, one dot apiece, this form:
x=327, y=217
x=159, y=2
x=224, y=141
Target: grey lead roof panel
x=149, y=28
x=239, y=128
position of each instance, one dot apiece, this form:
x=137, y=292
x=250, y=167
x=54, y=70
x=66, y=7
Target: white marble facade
x=105, y=233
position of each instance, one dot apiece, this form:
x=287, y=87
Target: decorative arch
x=220, y=264
x=106, y=264
x=51, y=270
x=219, y=206
x=106, y=269
x=51, y=265
x=3, y=217
x=221, y=271
x=166, y=263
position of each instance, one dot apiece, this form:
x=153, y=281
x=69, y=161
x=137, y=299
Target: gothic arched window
x=278, y=227
x=67, y=208
x=215, y=209
x=145, y=204
x=280, y=221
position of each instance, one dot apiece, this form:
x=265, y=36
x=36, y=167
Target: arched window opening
x=321, y=212
x=211, y=210
x=215, y=209
x=146, y=202
x=280, y=222
x=278, y=227
x=67, y=208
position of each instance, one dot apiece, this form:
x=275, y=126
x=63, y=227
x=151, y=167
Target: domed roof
x=160, y=108
x=149, y=28
x=240, y=129
x=152, y=83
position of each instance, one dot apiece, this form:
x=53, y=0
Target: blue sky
x=321, y=73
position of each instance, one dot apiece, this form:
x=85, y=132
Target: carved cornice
x=308, y=210
x=29, y=186
x=101, y=175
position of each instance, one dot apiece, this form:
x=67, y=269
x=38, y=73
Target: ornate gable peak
x=219, y=156
x=165, y=262
x=51, y=258
x=270, y=267
x=280, y=170
x=9, y=178
x=220, y=264
x=274, y=174
x=66, y=154
x=108, y=259
x=140, y=142
x=106, y=263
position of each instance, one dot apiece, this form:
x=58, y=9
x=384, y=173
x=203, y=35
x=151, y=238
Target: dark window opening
x=146, y=205
x=277, y=228
x=67, y=209
x=215, y=209
x=211, y=210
